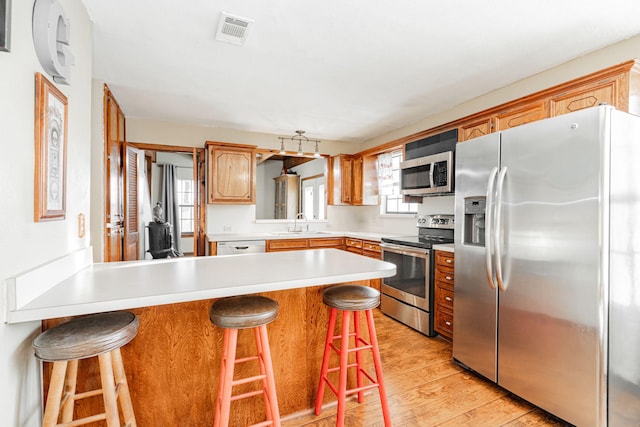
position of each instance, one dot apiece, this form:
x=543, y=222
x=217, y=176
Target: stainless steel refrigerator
x=547, y=244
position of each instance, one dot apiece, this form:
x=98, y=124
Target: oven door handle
x=405, y=250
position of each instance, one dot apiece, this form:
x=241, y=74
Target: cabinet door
x=356, y=181
x=605, y=91
x=346, y=177
x=475, y=128
x=521, y=115
x=231, y=175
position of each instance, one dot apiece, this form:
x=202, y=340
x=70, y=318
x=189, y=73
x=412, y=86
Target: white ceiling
x=341, y=70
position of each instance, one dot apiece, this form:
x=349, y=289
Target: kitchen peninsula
x=172, y=365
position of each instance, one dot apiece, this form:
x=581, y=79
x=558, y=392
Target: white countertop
x=449, y=247
x=126, y=285
x=231, y=237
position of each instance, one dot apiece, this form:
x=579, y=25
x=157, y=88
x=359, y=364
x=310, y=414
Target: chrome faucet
x=295, y=222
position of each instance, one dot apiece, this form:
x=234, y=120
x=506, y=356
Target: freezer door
x=474, y=321
x=624, y=295
x=552, y=312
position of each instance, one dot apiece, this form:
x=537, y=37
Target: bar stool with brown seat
x=351, y=299
x=100, y=335
x=245, y=312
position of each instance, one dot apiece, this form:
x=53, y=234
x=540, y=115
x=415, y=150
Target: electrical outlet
x=81, y=225
x=226, y=228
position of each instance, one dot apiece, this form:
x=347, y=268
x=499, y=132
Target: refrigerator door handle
x=501, y=177
x=488, y=251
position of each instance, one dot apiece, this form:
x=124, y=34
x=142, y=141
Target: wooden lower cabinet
x=444, y=293
x=301, y=244
x=172, y=364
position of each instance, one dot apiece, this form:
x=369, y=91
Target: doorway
x=190, y=165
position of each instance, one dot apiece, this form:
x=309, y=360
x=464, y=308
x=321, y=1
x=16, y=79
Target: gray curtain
x=170, y=207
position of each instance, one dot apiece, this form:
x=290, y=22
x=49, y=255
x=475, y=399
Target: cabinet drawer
x=444, y=296
x=286, y=245
x=353, y=243
x=445, y=277
x=445, y=258
x=332, y=242
x=354, y=250
x=444, y=323
x=371, y=246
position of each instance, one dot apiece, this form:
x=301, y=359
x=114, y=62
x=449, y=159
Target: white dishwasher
x=240, y=247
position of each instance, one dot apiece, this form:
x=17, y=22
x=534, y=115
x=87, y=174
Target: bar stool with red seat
x=245, y=312
x=351, y=300
x=100, y=335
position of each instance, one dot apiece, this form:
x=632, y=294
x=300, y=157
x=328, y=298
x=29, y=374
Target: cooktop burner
x=425, y=242
x=432, y=230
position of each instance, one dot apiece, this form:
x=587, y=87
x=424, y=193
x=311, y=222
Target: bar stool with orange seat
x=351, y=300
x=100, y=335
x=245, y=312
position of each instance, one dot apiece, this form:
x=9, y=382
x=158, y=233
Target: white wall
x=598, y=60
x=240, y=218
x=25, y=243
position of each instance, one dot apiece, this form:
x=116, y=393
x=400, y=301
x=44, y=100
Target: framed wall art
x=5, y=25
x=50, y=151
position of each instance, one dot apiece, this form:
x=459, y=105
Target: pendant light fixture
x=299, y=138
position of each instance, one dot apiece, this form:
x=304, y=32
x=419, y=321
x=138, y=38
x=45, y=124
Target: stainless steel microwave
x=429, y=175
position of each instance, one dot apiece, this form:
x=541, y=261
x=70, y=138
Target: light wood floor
x=426, y=388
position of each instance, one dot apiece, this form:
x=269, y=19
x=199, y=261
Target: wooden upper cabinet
x=353, y=180
x=618, y=86
x=356, y=181
x=475, y=128
x=231, y=174
x=521, y=115
x=340, y=176
x=589, y=96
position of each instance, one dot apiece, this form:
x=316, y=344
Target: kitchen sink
x=298, y=233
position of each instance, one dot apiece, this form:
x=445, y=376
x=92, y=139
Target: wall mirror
x=288, y=184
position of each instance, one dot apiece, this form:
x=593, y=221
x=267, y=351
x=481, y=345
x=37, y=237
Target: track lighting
x=299, y=138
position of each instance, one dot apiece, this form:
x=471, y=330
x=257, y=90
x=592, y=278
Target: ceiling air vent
x=233, y=29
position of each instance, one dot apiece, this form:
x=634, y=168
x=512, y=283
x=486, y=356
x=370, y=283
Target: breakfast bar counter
x=172, y=364
x=125, y=285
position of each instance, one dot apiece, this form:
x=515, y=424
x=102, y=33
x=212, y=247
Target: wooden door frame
x=199, y=156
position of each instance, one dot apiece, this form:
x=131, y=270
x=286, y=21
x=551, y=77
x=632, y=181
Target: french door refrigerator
x=547, y=264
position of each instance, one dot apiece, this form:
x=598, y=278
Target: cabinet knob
x=448, y=298
x=447, y=323
x=448, y=261
x=448, y=277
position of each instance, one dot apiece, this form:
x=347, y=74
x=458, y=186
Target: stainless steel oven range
x=408, y=296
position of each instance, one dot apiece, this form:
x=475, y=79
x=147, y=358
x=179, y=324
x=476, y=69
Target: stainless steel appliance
x=240, y=247
x=547, y=264
x=428, y=167
x=408, y=295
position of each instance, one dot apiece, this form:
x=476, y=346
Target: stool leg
x=265, y=357
x=109, y=390
x=378, y=367
x=69, y=391
x=344, y=362
x=325, y=360
x=359, y=368
x=123, y=389
x=52, y=407
x=263, y=371
x=227, y=364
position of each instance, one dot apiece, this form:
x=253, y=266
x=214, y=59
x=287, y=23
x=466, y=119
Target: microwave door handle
x=488, y=250
x=431, y=168
x=501, y=282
